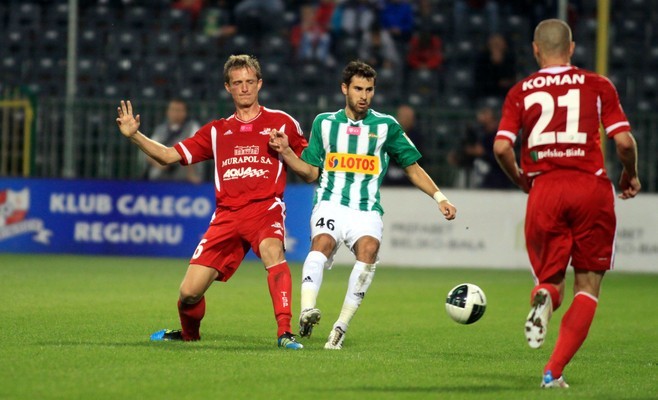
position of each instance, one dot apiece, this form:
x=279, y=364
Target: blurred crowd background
x=444, y=67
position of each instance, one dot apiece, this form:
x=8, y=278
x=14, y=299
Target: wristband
x=439, y=197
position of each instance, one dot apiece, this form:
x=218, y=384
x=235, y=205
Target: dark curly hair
x=358, y=68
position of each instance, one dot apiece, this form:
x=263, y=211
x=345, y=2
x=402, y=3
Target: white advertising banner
x=488, y=231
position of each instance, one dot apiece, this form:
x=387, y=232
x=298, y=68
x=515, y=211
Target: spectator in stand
x=397, y=17
x=193, y=7
x=406, y=117
x=378, y=49
x=353, y=18
x=495, y=71
x=310, y=38
x=323, y=12
x=425, y=51
x=476, y=153
x=217, y=19
x=177, y=127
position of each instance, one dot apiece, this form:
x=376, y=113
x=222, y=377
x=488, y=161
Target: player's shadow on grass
x=466, y=388
x=226, y=343
x=512, y=382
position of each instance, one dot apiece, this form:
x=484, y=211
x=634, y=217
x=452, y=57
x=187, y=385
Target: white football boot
x=307, y=320
x=549, y=382
x=335, y=340
x=536, y=324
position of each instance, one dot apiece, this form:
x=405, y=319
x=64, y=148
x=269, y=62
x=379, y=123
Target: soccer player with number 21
x=570, y=213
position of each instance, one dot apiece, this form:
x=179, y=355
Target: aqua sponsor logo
x=244, y=172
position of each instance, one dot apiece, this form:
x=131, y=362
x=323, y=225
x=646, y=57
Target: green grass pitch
x=76, y=327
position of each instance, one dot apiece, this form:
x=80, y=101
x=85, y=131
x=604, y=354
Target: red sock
x=280, y=283
x=190, y=318
x=552, y=290
x=573, y=331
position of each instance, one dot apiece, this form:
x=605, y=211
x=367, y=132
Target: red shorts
x=233, y=232
x=570, y=215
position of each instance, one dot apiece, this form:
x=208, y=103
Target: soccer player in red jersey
x=570, y=212
x=249, y=183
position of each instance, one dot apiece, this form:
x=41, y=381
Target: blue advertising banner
x=124, y=218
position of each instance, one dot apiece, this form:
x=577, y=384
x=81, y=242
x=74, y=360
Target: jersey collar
x=353, y=122
x=557, y=69
x=260, y=111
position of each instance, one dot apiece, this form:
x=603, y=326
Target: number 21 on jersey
x=571, y=101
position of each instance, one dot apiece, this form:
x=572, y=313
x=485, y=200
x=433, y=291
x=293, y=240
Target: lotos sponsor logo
x=352, y=163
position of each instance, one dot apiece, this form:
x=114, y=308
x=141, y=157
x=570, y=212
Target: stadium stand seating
x=99, y=17
x=122, y=46
x=89, y=73
x=26, y=16
x=174, y=20
x=52, y=43
x=199, y=45
x=164, y=44
x=56, y=17
x=125, y=43
x=91, y=43
x=11, y=66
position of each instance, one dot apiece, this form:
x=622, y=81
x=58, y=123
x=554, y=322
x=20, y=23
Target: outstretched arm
x=424, y=182
x=629, y=182
x=129, y=127
x=279, y=142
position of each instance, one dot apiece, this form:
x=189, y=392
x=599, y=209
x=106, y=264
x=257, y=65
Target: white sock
x=360, y=280
x=312, y=278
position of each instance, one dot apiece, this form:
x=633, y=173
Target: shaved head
x=553, y=37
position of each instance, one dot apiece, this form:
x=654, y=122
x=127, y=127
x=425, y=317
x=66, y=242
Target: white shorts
x=345, y=225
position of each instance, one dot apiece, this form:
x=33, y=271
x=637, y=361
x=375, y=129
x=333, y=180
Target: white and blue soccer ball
x=466, y=303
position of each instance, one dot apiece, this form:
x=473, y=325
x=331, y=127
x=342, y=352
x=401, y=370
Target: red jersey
x=559, y=110
x=246, y=168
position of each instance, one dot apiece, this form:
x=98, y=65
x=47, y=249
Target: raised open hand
x=128, y=125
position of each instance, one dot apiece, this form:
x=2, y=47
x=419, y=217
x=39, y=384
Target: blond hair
x=241, y=61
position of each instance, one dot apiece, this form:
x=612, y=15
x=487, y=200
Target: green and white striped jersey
x=353, y=157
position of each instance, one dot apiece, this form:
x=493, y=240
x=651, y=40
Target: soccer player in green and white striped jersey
x=349, y=151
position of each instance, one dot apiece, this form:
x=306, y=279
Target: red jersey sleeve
x=198, y=147
x=510, y=120
x=296, y=138
x=612, y=115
